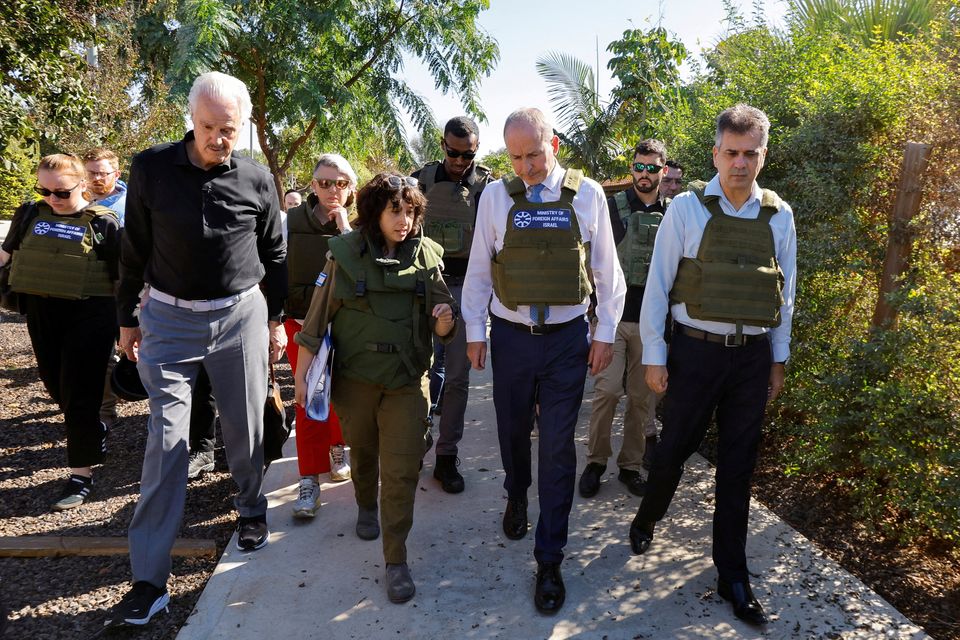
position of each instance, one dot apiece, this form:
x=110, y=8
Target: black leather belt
x=540, y=330
x=727, y=340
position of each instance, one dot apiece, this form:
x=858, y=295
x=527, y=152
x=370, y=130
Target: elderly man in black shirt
x=202, y=231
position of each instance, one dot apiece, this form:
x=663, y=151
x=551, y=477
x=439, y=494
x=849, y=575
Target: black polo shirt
x=634, y=297
x=200, y=234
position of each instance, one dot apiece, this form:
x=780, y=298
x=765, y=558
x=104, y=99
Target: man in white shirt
x=724, y=264
x=529, y=263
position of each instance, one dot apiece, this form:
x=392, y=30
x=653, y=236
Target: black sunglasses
x=398, y=182
x=63, y=194
x=651, y=168
x=453, y=153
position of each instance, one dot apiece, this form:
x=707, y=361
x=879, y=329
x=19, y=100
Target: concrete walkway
x=318, y=580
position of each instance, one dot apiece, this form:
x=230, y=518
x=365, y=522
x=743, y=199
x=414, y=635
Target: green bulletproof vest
x=56, y=257
x=735, y=276
x=451, y=213
x=307, y=241
x=544, y=260
x=382, y=332
x=636, y=248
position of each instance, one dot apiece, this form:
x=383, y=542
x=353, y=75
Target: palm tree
x=587, y=125
x=867, y=19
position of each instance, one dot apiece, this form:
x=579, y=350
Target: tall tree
x=42, y=69
x=316, y=68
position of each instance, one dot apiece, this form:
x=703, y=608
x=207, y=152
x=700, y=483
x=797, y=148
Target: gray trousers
x=232, y=344
x=456, y=386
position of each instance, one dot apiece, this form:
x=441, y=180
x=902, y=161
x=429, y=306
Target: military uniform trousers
x=385, y=429
x=456, y=385
x=314, y=437
x=608, y=388
x=555, y=366
x=707, y=377
x=232, y=345
x=72, y=341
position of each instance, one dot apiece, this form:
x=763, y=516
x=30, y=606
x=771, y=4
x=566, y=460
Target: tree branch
x=378, y=51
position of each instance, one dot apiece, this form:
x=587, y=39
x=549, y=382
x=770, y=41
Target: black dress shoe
x=634, y=481
x=590, y=480
x=641, y=535
x=745, y=605
x=550, y=592
x=515, y=518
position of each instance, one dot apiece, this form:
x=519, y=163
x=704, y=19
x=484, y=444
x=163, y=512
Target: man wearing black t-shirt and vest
x=453, y=190
x=635, y=216
x=202, y=231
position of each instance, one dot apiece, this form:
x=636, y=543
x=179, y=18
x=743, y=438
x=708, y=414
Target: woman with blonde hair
x=65, y=255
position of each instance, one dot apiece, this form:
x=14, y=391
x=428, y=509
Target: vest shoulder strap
x=97, y=210
x=514, y=186
x=572, y=180
x=623, y=206
x=770, y=204
x=428, y=175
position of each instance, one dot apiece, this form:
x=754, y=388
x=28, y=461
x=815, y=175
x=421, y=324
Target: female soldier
x=383, y=293
x=309, y=227
x=65, y=253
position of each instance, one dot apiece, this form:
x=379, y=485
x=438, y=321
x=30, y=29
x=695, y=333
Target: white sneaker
x=308, y=500
x=339, y=463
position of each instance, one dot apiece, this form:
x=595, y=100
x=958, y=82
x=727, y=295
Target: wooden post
x=915, y=158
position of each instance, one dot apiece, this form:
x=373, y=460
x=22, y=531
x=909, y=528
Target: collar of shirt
x=469, y=176
x=713, y=188
x=636, y=204
x=551, y=184
x=181, y=157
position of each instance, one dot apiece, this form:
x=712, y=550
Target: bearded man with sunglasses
x=453, y=189
x=635, y=216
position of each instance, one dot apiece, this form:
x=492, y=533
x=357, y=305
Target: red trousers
x=314, y=437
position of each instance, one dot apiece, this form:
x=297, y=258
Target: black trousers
x=72, y=341
x=706, y=377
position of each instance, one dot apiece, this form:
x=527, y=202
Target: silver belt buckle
x=535, y=330
x=201, y=305
x=730, y=340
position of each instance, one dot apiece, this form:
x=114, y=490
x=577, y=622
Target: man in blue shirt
x=724, y=265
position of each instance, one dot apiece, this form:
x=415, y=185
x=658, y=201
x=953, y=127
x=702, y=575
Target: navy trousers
x=555, y=366
x=705, y=377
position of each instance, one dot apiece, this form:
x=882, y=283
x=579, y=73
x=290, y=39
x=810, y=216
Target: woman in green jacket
x=383, y=295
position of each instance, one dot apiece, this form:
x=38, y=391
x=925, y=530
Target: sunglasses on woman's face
x=326, y=184
x=63, y=194
x=398, y=182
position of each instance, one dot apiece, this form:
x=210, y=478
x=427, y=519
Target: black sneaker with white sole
x=140, y=604
x=252, y=533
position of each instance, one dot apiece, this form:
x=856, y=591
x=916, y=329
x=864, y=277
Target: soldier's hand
x=342, y=216
x=278, y=340
x=656, y=377
x=477, y=352
x=778, y=372
x=600, y=357
x=444, y=315
x=130, y=342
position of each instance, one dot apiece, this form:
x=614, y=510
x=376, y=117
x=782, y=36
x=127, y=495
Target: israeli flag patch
x=321, y=279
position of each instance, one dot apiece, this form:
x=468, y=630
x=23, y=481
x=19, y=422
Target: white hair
x=219, y=85
x=338, y=162
x=533, y=117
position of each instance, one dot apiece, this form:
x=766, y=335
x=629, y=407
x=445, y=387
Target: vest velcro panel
x=635, y=250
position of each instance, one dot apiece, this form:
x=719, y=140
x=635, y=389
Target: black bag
x=275, y=427
x=9, y=299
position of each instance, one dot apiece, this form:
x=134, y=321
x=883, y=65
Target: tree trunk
x=915, y=159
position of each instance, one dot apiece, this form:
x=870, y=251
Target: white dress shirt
x=679, y=237
x=594, y=220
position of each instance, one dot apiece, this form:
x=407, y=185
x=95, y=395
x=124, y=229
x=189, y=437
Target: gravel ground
x=56, y=598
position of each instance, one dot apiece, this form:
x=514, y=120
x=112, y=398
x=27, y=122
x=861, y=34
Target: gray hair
x=532, y=117
x=219, y=85
x=338, y=162
x=742, y=118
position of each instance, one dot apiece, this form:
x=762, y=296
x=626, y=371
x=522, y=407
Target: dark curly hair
x=374, y=197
